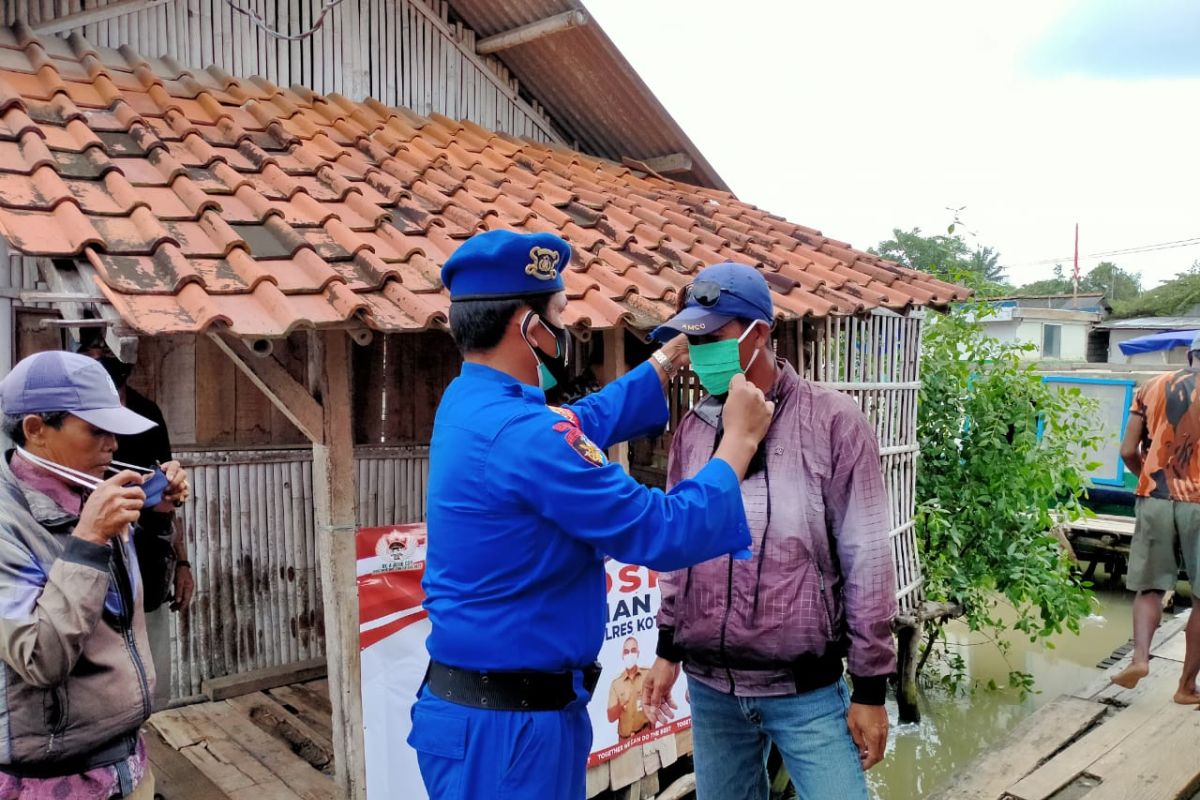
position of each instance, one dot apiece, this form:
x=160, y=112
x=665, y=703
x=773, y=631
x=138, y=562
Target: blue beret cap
x=497, y=265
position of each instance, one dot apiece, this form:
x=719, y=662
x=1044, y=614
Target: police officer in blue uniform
x=523, y=506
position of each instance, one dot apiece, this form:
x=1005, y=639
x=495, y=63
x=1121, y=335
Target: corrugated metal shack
x=269, y=257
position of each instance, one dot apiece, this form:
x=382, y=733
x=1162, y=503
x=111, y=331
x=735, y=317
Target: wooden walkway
x=1102, y=743
x=269, y=745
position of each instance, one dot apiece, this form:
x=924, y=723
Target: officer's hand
x=677, y=350
x=747, y=413
x=657, y=702
x=111, y=508
x=747, y=417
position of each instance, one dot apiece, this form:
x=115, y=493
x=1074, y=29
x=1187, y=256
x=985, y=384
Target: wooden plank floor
x=1102, y=743
x=1105, y=523
x=270, y=745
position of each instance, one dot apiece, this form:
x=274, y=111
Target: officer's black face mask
x=552, y=369
x=557, y=364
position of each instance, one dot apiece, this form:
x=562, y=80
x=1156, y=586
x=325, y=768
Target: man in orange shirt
x=1162, y=447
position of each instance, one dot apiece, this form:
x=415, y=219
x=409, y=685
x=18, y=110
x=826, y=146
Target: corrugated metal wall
x=252, y=544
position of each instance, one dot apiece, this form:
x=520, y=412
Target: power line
x=1146, y=248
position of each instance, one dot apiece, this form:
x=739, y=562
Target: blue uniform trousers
x=475, y=754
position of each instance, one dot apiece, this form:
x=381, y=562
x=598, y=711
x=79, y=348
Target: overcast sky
x=856, y=117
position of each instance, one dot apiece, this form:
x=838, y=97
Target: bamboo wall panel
x=252, y=543
x=402, y=52
x=876, y=360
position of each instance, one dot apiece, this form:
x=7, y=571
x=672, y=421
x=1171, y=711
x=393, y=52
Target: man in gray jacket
x=77, y=675
x=763, y=641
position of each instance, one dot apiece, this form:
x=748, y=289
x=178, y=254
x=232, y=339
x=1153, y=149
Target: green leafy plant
x=1004, y=459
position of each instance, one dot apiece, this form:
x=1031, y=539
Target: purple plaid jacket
x=822, y=578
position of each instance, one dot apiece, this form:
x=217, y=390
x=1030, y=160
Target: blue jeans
x=730, y=735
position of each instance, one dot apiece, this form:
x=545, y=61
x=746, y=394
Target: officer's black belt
x=509, y=691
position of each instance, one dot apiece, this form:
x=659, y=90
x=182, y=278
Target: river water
x=954, y=730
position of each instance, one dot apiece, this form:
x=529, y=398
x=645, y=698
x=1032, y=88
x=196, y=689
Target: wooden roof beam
x=73, y=294
x=531, y=32
x=670, y=164
x=120, y=8
x=285, y=392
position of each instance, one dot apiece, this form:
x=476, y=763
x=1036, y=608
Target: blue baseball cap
x=61, y=381
x=501, y=265
x=720, y=294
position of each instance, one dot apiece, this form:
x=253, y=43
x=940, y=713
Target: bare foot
x=1186, y=697
x=1131, y=675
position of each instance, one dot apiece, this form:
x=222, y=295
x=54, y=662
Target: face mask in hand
x=715, y=363
x=154, y=485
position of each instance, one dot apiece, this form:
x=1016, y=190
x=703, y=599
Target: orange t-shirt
x=1170, y=404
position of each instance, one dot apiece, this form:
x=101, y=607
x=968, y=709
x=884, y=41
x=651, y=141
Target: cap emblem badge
x=543, y=264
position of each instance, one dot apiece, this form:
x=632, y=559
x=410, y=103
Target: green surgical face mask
x=715, y=363
x=546, y=379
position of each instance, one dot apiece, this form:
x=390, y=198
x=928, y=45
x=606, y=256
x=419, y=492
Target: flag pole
x=1075, y=272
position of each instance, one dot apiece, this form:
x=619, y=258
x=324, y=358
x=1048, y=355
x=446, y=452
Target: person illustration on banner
x=625, y=693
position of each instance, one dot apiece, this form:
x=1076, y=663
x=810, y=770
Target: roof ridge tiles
x=17, y=119
x=344, y=187
x=373, y=270
x=35, y=152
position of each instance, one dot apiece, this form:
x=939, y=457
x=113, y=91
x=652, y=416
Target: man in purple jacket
x=763, y=640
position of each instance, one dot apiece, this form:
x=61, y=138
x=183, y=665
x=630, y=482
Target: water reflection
x=954, y=730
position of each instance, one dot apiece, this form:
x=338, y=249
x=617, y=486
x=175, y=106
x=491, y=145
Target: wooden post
x=613, y=368
x=335, y=500
x=8, y=328
x=908, y=644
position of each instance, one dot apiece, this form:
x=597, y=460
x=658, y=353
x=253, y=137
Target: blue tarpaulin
x=1158, y=341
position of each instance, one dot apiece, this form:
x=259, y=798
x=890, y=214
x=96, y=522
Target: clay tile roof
x=196, y=199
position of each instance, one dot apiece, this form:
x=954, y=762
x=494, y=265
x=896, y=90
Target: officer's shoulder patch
x=581, y=444
x=566, y=414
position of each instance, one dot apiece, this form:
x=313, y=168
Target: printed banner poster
x=392, y=632
x=630, y=638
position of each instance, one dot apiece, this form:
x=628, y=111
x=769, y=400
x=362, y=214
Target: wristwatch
x=664, y=361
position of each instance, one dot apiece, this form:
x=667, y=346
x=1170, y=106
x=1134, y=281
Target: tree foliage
x=947, y=256
x=1115, y=283
x=1002, y=454
x=1172, y=299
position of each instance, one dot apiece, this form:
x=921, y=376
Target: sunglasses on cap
x=708, y=294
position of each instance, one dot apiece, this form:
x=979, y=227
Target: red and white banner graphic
x=392, y=631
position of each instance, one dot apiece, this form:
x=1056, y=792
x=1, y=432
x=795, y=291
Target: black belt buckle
x=591, y=676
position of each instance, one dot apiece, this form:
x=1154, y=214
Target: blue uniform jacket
x=523, y=507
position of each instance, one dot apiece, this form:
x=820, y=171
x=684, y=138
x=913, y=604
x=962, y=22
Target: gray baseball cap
x=61, y=381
